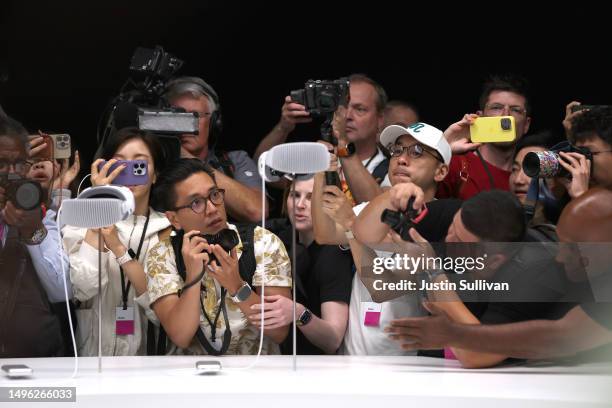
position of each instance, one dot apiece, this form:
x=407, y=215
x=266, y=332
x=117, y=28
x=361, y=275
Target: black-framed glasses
x=601, y=151
x=414, y=151
x=19, y=166
x=198, y=204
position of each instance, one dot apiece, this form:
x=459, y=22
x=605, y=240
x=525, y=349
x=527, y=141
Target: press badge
x=372, y=314
x=124, y=321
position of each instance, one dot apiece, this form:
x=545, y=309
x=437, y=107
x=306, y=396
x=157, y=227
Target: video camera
x=141, y=102
x=546, y=164
x=401, y=222
x=23, y=193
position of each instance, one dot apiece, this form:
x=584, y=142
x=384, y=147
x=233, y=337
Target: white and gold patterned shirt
x=273, y=269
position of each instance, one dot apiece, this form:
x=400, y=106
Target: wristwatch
x=128, y=256
x=242, y=294
x=347, y=151
x=304, y=318
x=37, y=237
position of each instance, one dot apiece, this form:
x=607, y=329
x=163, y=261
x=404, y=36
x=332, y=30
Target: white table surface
x=320, y=381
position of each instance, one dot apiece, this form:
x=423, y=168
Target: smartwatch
x=347, y=151
x=242, y=294
x=304, y=318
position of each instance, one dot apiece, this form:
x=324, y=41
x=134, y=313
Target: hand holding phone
x=493, y=129
x=135, y=172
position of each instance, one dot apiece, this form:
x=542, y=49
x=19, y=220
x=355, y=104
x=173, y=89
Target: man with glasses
x=30, y=260
x=419, y=157
x=593, y=130
x=487, y=166
x=235, y=170
x=208, y=309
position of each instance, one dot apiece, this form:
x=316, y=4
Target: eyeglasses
x=498, y=108
x=198, y=205
x=19, y=166
x=414, y=151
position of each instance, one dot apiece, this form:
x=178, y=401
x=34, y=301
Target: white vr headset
x=98, y=207
x=300, y=159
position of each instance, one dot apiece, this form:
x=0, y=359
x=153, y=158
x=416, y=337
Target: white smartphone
x=17, y=370
x=207, y=367
x=61, y=146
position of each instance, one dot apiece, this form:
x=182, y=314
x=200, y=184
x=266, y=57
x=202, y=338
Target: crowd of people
x=165, y=289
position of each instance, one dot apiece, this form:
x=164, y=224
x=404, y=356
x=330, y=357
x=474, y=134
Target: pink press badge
x=124, y=321
x=372, y=314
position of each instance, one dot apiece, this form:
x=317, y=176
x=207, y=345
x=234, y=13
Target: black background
x=64, y=60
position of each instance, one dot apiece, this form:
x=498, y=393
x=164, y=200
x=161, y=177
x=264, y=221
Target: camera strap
x=125, y=289
x=531, y=200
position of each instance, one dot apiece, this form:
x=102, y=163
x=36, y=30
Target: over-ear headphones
x=187, y=84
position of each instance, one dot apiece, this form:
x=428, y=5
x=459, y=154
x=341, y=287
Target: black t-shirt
x=324, y=274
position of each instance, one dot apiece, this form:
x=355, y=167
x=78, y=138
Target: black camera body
x=23, y=193
x=155, y=62
x=546, y=164
x=226, y=238
x=321, y=97
x=399, y=221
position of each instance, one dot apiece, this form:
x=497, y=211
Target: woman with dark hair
x=125, y=305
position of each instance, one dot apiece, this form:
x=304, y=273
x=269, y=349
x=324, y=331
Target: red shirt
x=468, y=177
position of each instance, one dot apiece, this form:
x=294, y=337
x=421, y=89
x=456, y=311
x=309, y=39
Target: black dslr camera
x=401, y=222
x=227, y=238
x=546, y=164
x=321, y=97
x=23, y=193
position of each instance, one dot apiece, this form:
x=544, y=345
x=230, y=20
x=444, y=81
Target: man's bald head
x=587, y=218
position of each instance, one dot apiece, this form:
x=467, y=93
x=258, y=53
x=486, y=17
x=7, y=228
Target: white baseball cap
x=423, y=133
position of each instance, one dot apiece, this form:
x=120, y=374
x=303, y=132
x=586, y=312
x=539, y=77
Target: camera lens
x=28, y=195
x=506, y=124
x=542, y=164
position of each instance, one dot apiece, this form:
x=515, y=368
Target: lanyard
x=213, y=325
x=125, y=289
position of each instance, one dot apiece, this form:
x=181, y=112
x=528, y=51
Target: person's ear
x=441, y=172
x=173, y=218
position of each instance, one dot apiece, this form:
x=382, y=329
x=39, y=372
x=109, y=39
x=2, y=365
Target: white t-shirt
x=369, y=340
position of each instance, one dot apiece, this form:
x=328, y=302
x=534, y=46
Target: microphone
x=293, y=159
x=98, y=207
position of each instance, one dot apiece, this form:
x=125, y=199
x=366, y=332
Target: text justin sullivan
x=404, y=284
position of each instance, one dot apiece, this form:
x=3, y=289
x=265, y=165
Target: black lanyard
x=125, y=289
x=371, y=158
x=213, y=325
x=227, y=336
